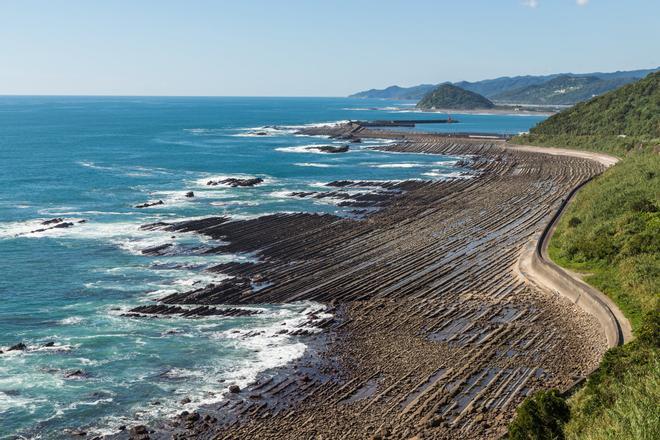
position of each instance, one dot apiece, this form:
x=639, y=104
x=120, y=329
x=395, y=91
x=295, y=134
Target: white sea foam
x=131, y=171
x=71, y=320
x=283, y=194
x=126, y=235
x=282, y=130
x=314, y=165
x=264, y=348
x=236, y=203
x=397, y=165
x=447, y=175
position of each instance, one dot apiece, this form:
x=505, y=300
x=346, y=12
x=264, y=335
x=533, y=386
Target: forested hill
x=632, y=110
x=448, y=96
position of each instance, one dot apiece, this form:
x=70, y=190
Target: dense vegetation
x=562, y=90
x=491, y=87
x=632, y=110
x=610, y=233
x=451, y=97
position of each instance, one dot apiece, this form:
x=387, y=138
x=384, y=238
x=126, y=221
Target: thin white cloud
x=531, y=3
x=582, y=2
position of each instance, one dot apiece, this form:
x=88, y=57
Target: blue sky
x=310, y=48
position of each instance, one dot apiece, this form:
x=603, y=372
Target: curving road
x=536, y=266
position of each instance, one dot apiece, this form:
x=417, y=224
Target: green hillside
x=609, y=233
x=562, y=90
x=632, y=110
x=449, y=96
x=619, y=122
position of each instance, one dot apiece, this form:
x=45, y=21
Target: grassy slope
x=611, y=234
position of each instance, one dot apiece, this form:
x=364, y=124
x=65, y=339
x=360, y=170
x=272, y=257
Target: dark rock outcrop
x=234, y=182
x=330, y=149
x=20, y=346
x=52, y=221
x=148, y=204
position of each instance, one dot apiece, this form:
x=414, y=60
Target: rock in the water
x=185, y=400
x=53, y=220
x=148, y=204
x=76, y=374
x=49, y=344
x=234, y=389
x=190, y=194
x=330, y=149
x=63, y=225
x=20, y=346
x=234, y=182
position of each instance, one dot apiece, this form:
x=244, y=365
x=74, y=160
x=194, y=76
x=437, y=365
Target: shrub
x=540, y=417
x=574, y=221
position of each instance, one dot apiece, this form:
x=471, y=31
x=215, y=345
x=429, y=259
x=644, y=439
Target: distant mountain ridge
x=396, y=92
x=505, y=86
x=449, y=96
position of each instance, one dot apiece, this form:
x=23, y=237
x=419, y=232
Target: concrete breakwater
x=433, y=333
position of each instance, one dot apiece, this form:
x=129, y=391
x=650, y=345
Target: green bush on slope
x=541, y=416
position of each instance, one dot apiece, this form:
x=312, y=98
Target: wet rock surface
x=434, y=334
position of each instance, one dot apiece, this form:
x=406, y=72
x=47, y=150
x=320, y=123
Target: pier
x=404, y=122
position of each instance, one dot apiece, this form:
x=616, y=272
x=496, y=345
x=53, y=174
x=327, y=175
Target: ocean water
x=94, y=159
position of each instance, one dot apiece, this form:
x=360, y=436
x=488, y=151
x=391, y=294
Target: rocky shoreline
x=433, y=334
